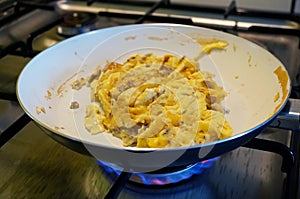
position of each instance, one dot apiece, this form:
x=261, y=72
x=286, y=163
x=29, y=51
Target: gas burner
x=164, y=176
x=76, y=23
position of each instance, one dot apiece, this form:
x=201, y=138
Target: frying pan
x=257, y=84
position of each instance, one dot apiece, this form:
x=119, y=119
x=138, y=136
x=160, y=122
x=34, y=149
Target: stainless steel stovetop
x=34, y=166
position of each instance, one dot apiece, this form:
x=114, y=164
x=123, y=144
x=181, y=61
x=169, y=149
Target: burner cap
x=76, y=23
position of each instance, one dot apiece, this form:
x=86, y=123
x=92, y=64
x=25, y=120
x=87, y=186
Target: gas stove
x=33, y=165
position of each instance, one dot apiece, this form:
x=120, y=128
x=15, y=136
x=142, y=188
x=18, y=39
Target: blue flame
x=162, y=178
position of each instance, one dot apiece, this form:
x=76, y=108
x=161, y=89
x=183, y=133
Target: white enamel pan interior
x=257, y=83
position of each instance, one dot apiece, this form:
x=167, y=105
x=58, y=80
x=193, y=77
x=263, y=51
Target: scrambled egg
x=209, y=45
x=157, y=102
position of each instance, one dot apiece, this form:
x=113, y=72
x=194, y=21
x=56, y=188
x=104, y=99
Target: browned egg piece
x=74, y=105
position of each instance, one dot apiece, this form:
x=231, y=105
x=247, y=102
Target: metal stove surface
x=34, y=166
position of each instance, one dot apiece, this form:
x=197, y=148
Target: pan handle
x=289, y=117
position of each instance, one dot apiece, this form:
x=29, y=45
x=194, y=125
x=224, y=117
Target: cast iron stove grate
x=290, y=156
